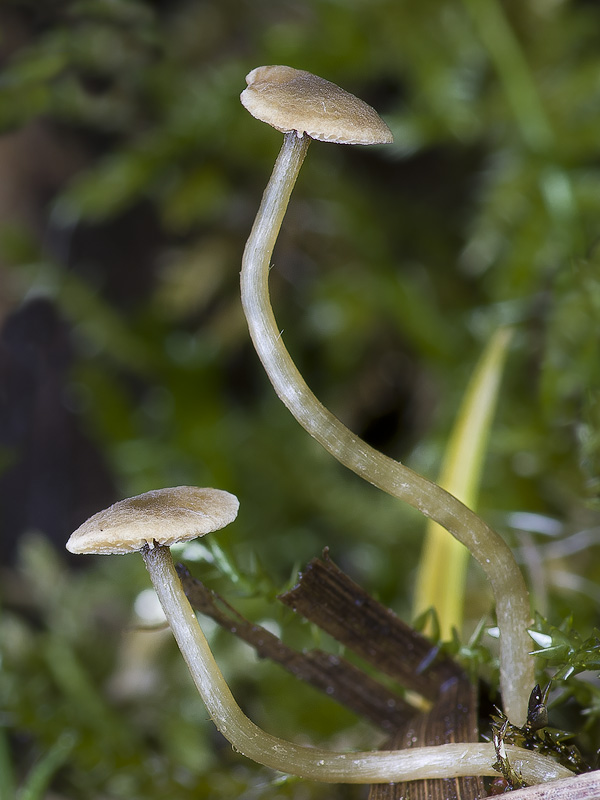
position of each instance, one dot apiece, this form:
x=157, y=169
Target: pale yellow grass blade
x=441, y=577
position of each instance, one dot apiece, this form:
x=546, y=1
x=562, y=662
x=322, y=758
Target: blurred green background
x=129, y=178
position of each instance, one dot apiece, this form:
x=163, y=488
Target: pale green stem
x=487, y=547
x=444, y=761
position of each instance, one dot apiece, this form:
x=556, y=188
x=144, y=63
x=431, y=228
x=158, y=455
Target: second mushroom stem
x=487, y=547
x=448, y=760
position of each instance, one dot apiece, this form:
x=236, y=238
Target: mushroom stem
x=487, y=547
x=444, y=761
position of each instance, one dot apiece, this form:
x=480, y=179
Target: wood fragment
x=333, y=675
x=579, y=787
x=452, y=718
x=328, y=597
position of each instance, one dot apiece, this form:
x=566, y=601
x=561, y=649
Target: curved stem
x=487, y=547
x=445, y=761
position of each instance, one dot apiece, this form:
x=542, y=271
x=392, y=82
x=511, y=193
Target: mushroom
x=295, y=100
x=304, y=107
x=149, y=523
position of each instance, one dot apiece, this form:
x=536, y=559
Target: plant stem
x=444, y=761
x=487, y=547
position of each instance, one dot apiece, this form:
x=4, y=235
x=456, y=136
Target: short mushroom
x=149, y=523
x=305, y=106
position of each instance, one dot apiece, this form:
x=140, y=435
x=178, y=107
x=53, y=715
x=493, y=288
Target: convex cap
x=295, y=100
x=159, y=517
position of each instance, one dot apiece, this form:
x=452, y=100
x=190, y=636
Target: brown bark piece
x=452, y=718
x=329, y=598
x=333, y=675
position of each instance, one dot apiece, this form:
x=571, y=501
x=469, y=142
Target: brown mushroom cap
x=294, y=100
x=159, y=517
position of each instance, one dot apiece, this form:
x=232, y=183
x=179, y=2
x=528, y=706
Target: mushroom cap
x=295, y=100
x=158, y=517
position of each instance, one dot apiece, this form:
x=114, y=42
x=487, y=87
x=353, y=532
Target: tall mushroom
x=149, y=523
x=304, y=106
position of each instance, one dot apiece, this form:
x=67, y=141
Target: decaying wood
x=452, y=718
x=335, y=676
x=329, y=598
x=579, y=787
